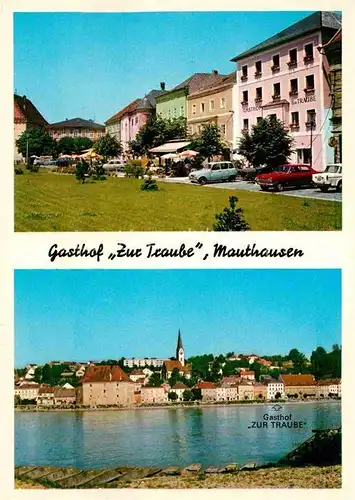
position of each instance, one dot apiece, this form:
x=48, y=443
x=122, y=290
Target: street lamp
x=311, y=122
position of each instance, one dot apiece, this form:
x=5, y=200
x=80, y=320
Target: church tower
x=180, y=353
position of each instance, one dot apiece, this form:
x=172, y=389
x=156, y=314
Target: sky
x=85, y=315
x=90, y=65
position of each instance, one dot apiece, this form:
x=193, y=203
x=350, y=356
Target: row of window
x=293, y=90
x=78, y=133
x=275, y=65
x=198, y=129
x=294, y=121
x=222, y=105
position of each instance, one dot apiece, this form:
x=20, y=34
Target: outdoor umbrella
x=188, y=153
x=91, y=154
x=169, y=156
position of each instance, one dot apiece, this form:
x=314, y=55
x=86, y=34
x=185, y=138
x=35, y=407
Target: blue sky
x=91, y=65
x=99, y=314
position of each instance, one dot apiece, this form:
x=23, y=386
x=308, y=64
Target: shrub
x=231, y=219
x=179, y=170
x=81, y=171
x=135, y=171
x=18, y=171
x=149, y=184
x=33, y=168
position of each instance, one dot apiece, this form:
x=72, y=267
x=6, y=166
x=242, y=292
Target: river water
x=162, y=437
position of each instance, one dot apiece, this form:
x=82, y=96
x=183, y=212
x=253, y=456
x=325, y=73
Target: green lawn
x=53, y=202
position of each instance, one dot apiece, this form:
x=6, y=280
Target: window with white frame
x=194, y=109
x=223, y=103
x=202, y=107
x=223, y=129
x=211, y=104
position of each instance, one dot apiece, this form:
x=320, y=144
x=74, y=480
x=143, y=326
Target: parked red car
x=286, y=175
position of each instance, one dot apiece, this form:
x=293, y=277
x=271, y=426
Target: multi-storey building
x=27, y=391
x=106, y=385
x=216, y=105
x=333, y=51
x=125, y=124
x=173, y=103
x=300, y=386
x=77, y=127
x=275, y=389
x=285, y=77
x=26, y=116
x=142, y=362
x=153, y=394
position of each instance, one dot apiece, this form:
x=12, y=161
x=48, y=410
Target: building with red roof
x=107, y=385
x=26, y=116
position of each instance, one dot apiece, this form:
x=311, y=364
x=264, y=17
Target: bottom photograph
x=177, y=378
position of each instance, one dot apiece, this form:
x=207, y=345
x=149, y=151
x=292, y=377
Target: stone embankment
x=323, y=448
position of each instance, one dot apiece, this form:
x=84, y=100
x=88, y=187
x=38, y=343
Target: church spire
x=180, y=352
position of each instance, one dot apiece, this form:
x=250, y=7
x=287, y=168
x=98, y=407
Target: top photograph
x=178, y=121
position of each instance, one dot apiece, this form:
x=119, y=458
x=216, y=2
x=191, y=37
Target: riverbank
x=35, y=408
x=272, y=477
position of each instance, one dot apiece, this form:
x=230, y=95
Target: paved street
x=311, y=192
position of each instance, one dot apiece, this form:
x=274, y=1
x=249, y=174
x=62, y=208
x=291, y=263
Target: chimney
x=162, y=85
x=214, y=72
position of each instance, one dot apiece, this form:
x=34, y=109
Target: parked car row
x=276, y=178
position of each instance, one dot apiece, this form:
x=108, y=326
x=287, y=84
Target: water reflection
x=160, y=437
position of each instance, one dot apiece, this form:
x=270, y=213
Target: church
x=167, y=365
x=178, y=363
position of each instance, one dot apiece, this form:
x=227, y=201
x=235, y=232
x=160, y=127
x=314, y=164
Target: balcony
x=309, y=90
x=294, y=126
x=308, y=59
x=292, y=63
x=275, y=68
x=258, y=74
x=293, y=93
x=258, y=100
x=244, y=78
x=276, y=97
x=244, y=103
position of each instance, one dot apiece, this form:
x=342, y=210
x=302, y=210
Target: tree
x=267, y=139
x=156, y=131
x=187, y=395
x=196, y=394
x=81, y=144
x=208, y=142
x=70, y=145
x=66, y=145
x=231, y=219
x=174, y=378
x=108, y=146
x=17, y=400
x=81, y=170
x=155, y=380
x=172, y=396
x=298, y=359
x=35, y=141
x=278, y=395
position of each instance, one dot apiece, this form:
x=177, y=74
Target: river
x=162, y=437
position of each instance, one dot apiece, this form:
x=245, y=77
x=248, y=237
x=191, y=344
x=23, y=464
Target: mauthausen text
x=253, y=251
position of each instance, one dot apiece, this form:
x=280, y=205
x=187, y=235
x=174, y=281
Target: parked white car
x=217, y=171
x=330, y=178
x=116, y=165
